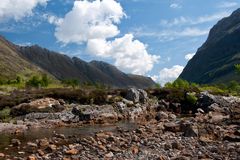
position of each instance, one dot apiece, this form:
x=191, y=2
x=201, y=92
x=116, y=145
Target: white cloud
x=189, y=56
x=94, y=23
x=190, y=21
x=129, y=55
x=175, y=6
x=52, y=19
x=169, y=35
x=90, y=20
x=227, y=4
x=18, y=9
x=170, y=74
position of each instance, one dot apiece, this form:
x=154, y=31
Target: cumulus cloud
x=95, y=23
x=189, y=56
x=175, y=6
x=130, y=55
x=18, y=9
x=170, y=74
x=90, y=20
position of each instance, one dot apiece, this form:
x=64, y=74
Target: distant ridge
x=38, y=59
x=215, y=59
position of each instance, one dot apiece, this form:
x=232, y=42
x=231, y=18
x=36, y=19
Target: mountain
x=215, y=59
x=63, y=67
x=12, y=64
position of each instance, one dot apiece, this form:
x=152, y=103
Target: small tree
x=45, y=80
x=237, y=68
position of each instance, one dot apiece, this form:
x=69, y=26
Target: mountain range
x=215, y=60
x=26, y=61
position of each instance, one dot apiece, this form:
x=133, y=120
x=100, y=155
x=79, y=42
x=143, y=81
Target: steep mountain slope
x=214, y=61
x=13, y=64
x=64, y=67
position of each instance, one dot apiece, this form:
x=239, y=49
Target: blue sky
x=149, y=37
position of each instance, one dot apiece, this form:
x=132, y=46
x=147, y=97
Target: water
x=31, y=135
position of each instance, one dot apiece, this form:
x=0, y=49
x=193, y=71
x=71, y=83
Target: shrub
x=5, y=114
x=37, y=81
x=191, y=98
x=71, y=82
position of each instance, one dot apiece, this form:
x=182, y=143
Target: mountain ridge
x=41, y=60
x=215, y=59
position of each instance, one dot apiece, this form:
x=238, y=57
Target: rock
x=143, y=96
x=199, y=110
x=32, y=157
x=72, y=152
x=2, y=155
x=15, y=142
x=232, y=138
x=172, y=116
x=43, y=143
x=175, y=107
x=51, y=148
x=177, y=145
x=102, y=147
x=135, y=149
x=115, y=149
x=31, y=145
x=133, y=95
x=172, y=127
x=161, y=115
x=61, y=136
x=39, y=105
x=58, y=107
x=189, y=130
x=40, y=152
x=109, y=155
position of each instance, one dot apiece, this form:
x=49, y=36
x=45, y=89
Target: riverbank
x=163, y=128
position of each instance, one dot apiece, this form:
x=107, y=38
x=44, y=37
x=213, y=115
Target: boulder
x=133, y=95
x=39, y=105
x=143, y=96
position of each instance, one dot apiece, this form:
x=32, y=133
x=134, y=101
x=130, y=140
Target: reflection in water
x=33, y=134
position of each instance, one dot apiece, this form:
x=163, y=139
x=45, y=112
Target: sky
x=153, y=38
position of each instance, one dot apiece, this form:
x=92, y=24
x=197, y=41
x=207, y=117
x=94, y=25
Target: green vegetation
x=38, y=82
x=237, y=68
x=5, y=114
x=232, y=88
x=191, y=98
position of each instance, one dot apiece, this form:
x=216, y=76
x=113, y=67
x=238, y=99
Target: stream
x=33, y=134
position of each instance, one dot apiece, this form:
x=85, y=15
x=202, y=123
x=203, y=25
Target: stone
x=51, y=148
x=40, y=152
x=143, y=96
x=43, y=143
x=189, y=130
x=161, y=116
x=172, y=127
x=133, y=95
x=32, y=157
x=135, y=149
x=115, y=149
x=31, y=145
x=15, y=142
x=177, y=145
x=109, y=155
x=2, y=155
x=72, y=152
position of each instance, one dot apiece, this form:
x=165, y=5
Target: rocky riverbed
x=162, y=129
